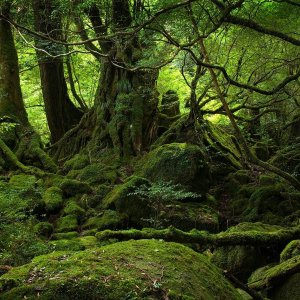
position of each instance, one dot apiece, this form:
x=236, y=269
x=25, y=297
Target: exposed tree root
x=171, y=234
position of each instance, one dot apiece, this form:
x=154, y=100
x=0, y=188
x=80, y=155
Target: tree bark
x=11, y=101
x=126, y=101
x=61, y=113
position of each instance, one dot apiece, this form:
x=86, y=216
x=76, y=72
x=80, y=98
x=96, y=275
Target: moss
x=71, y=187
x=261, y=150
x=44, y=229
x=109, y=219
x=122, y=200
x=127, y=270
x=66, y=245
x=292, y=249
x=226, y=149
x=89, y=241
x=267, y=179
x=289, y=289
x=92, y=201
x=53, y=199
x=67, y=223
x=65, y=235
x=273, y=275
x=240, y=177
x=77, y=162
x=241, y=261
x=98, y=174
x=22, y=182
x=186, y=216
x=72, y=208
x=264, y=203
x=179, y=163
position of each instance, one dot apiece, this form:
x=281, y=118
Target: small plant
x=159, y=194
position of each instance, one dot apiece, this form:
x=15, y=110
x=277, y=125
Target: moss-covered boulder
x=127, y=270
x=77, y=162
x=98, y=174
x=241, y=261
x=72, y=208
x=122, y=199
x=179, y=163
x=290, y=289
x=53, y=199
x=43, y=228
x=71, y=187
x=108, y=219
x=292, y=249
x=66, y=224
x=279, y=281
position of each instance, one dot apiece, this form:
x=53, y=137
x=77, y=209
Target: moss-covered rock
x=264, y=205
x=109, y=219
x=128, y=270
x=53, y=199
x=66, y=224
x=71, y=187
x=122, y=199
x=77, y=162
x=43, y=228
x=186, y=216
x=179, y=163
x=274, y=276
x=98, y=174
x=292, y=249
x=22, y=182
x=72, y=208
x=66, y=245
x=290, y=289
x=241, y=261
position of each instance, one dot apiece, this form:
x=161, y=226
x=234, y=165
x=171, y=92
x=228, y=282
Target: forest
x=150, y=149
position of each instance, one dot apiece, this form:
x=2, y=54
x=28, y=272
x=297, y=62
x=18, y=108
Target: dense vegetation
x=149, y=149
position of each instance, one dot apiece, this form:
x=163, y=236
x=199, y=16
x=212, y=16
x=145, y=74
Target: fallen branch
x=171, y=234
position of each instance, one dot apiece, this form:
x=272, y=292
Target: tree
x=11, y=101
x=61, y=113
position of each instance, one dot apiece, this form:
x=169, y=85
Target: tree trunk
x=11, y=101
x=126, y=101
x=61, y=113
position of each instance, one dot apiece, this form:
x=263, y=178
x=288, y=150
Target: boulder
x=145, y=269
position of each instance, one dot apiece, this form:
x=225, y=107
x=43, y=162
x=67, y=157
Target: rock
x=44, y=229
x=53, y=199
x=290, y=289
x=146, y=269
x=241, y=261
x=66, y=224
x=281, y=281
x=122, y=200
x=179, y=163
x=109, y=219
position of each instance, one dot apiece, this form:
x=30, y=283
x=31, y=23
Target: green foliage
x=158, y=194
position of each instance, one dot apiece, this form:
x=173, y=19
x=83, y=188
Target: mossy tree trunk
x=126, y=101
x=11, y=101
x=61, y=113
x=27, y=144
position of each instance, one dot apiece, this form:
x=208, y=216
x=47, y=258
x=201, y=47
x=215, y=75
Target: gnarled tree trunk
x=126, y=101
